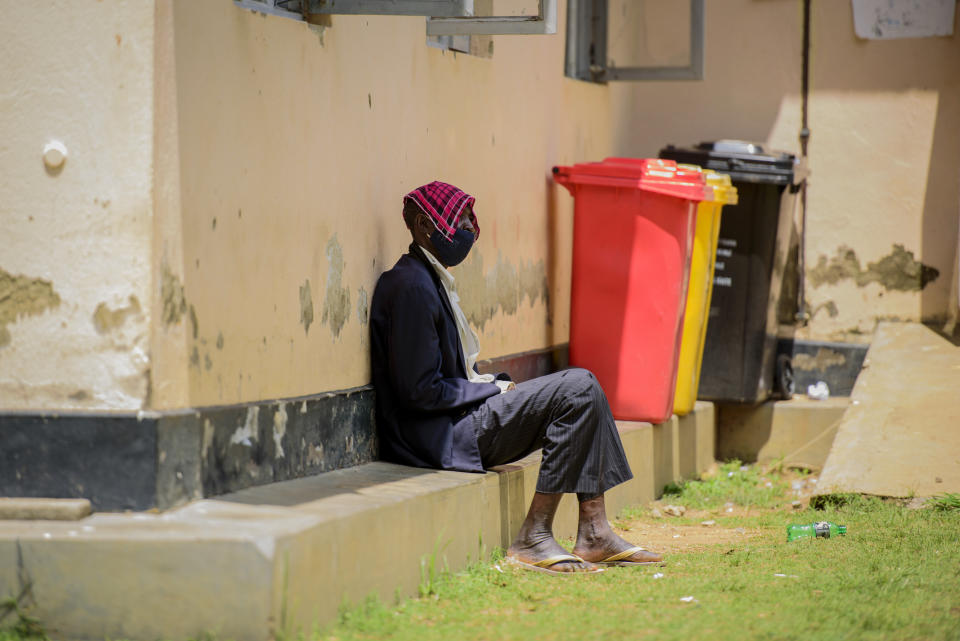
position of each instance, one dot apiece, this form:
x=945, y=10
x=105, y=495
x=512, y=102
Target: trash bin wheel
x=784, y=382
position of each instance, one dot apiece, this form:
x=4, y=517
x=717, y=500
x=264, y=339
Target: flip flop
x=618, y=558
x=544, y=565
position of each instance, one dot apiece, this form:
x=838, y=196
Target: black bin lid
x=746, y=161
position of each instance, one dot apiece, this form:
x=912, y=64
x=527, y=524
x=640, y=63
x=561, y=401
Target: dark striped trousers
x=566, y=414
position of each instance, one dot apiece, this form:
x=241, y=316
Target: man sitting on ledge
x=434, y=409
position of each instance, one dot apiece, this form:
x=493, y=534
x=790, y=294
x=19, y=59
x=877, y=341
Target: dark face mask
x=452, y=252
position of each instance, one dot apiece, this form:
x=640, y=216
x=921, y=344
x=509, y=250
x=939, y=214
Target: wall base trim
x=143, y=460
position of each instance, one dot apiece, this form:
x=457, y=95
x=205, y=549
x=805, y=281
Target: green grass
x=896, y=575
x=741, y=484
x=948, y=502
x=17, y=625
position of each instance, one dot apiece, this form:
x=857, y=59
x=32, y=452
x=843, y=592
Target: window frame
x=444, y=17
x=439, y=8
x=544, y=23
x=586, y=47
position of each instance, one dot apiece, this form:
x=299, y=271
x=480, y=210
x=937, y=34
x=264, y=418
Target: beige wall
x=296, y=145
x=234, y=181
x=884, y=152
x=75, y=275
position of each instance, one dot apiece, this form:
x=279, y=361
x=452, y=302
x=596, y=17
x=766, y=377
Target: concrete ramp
x=900, y=436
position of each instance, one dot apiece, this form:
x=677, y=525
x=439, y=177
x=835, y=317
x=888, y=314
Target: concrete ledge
x=44, y=509
x=697, y=440
x=801, y=431
x=247, y=571
x=899, y=436
x=280, y=558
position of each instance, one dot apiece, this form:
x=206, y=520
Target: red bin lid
x=649, y=174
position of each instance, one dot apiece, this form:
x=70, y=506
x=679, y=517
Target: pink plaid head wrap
x=444, y=204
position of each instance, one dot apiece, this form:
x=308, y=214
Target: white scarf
x=469, y=343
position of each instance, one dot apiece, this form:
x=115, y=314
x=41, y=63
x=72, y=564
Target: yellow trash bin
x=700, y=289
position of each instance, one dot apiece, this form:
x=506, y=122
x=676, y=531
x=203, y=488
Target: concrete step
x=900, y=436
x=800, y=431
x=285, y=557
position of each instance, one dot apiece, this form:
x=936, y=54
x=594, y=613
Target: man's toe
x=646, y=556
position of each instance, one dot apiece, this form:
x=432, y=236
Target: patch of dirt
x=669, y=538
x=661, y=532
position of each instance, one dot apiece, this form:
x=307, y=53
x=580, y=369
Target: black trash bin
x=740, y=363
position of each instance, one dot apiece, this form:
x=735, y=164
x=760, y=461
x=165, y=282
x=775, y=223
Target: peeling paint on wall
x=336, y=302
x=194, y=325
x=306, y=306
x=898, y=270
x=247, y=433
x=363, y=306
x=106, y=320
x=171, y=293
x=824, y=358
x=315, y=455
x=23, y=296
x=830, y=307
x=279, y=428
x=503, y=288
x=318, y=28
x=208, y=433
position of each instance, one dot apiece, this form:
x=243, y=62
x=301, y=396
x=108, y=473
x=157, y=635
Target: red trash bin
x=632, y=239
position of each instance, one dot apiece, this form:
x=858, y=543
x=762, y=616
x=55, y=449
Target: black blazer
x=418, y=370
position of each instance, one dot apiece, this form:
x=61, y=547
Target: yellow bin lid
x=719, y=186
x=723, y=189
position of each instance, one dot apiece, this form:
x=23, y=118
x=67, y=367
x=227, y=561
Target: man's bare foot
x=598, y=543
x=608, y=550
x=534, y=553
x=535, y=543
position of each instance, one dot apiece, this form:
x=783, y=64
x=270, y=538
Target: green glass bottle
x=820, y=529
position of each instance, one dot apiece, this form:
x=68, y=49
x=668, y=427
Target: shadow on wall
x=897, y=67
x=550, y=191
x=751, y=91
x=742, y=94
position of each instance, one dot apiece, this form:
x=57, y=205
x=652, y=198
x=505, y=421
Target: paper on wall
x=885, y=19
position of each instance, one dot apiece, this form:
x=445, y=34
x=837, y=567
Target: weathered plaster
x=86, y=228
x=824, y=358
x=279, y=428
x=501, y=289
x=169, y=344
x=306, y=306
x=830, y=307
x=336, y=302
x=23, y=296
x=898, y=270
x=174, y=303
x=296, y=198
x=168, y=134
x=363, y=306
x=106, y=319
x=247, y=433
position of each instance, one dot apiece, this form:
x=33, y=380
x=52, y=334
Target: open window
x=498, y=17
x=444, y=17
x=635, y=40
